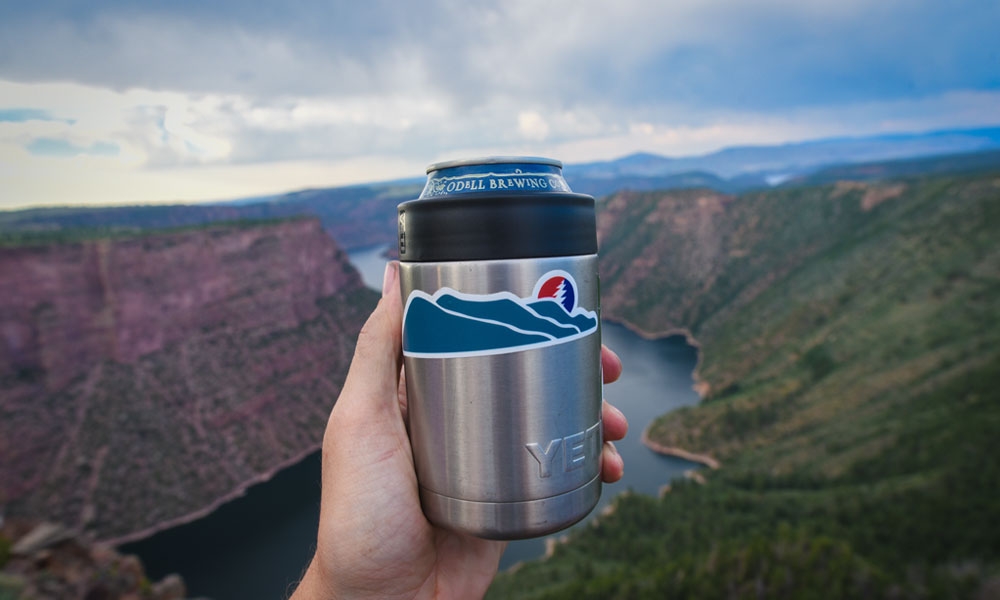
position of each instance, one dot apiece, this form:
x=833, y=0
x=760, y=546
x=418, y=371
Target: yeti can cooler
x=502, y=346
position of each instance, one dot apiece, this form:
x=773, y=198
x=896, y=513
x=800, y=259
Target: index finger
x=610, y=364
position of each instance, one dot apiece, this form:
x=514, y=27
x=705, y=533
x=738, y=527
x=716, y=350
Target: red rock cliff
x=144, y=379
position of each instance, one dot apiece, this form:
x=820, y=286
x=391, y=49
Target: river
x=258, y=545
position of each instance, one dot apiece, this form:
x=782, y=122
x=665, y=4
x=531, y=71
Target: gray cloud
x=726, y=54
x=379, y=77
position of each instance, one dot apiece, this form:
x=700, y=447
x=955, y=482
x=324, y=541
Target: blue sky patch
x=66, y=149
x=21, y=115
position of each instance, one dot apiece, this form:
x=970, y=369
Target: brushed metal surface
x=507, y=428
x=512, y=520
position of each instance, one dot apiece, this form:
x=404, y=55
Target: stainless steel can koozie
x=502, y=346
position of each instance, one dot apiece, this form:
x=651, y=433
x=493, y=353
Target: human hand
x=374, y=540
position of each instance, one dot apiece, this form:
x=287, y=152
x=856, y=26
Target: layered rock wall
x=144, y=379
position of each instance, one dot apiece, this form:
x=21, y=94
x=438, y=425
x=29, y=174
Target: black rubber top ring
x=493, y=226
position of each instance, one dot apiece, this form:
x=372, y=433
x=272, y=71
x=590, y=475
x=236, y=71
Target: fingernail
x=389, y=277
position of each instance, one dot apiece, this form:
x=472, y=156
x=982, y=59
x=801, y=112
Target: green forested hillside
x=849, y=339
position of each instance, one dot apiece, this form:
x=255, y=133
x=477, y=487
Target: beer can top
x=495, y=160
x=496, y=174
x=493, y=208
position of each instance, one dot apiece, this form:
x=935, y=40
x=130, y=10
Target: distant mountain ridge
x=742, y=168
x=364, y=215
x=356, y=216
x=795, y=156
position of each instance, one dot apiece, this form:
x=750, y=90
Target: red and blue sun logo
x=561, y=289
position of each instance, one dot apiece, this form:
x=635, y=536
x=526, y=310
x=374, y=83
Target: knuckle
x=368, y=337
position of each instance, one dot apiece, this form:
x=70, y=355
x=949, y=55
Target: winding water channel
x=258, y=545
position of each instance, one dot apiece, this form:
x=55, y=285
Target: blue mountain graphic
x=508, y=312
x=554, y=310
x=429, y=329
x=447, y=324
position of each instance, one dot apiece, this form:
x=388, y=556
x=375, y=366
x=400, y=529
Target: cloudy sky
x=182, y=100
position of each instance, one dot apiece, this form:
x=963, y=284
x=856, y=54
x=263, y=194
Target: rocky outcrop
x=671, y=240
x=144, y=379
x=47, y=561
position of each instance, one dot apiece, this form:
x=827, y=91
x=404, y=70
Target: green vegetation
x=851, y=337
x=72, y=235
x=11, y=586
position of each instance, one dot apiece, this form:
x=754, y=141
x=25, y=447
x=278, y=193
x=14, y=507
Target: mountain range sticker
x=450, y=324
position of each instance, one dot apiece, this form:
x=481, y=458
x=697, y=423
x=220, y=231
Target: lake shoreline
x=701, y=387
x=702, y=459
x=268, y=557
x=238, y=492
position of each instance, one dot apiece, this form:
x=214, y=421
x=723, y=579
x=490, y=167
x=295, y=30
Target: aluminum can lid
x=496, y=208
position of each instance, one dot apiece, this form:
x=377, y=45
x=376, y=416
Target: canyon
x=148, y=378
x=847, y=367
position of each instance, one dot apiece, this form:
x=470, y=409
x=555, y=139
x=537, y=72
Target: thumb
x=373, y=379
